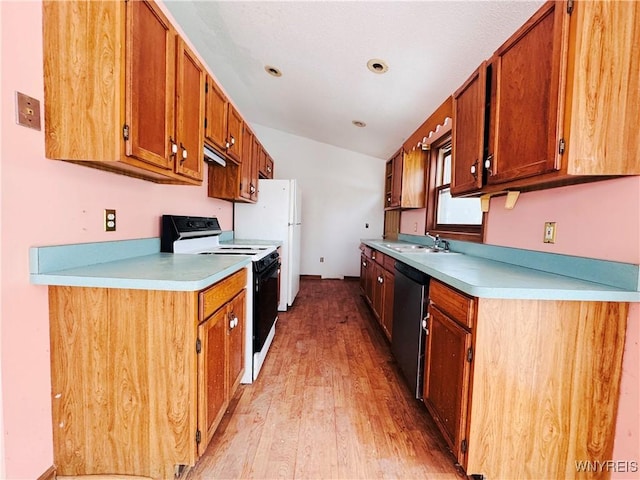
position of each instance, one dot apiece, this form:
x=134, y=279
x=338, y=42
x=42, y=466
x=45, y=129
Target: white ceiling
x=322, y=48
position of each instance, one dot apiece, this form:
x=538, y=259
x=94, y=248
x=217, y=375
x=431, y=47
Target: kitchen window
x=449, y=217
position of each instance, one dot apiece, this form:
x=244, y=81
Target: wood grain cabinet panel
x=377, y=285
x=220, y=364
x=559, y=105
x=128, y=112
x=447, y=378
x=140, y=379
x=469, y=106
x=237, y=181
x=217, y=107
x=529, y=390
x=527, y=72
x=189, y=113
x=604, y=94
x=405, y=180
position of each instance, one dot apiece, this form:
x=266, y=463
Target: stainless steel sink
x=406, y=248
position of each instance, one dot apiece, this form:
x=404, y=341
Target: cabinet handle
x=174, y=146
x=487, y=164
x=474, y=169
x=184, y=153
x=268, y=169
x=233, y=322
x=364, y=264
x=233, y=140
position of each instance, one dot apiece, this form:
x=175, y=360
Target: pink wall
x=47, y=202
x=597, y=220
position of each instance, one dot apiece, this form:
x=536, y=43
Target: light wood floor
x=329, y=403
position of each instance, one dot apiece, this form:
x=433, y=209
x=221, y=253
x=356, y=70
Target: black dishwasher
x=408, y=338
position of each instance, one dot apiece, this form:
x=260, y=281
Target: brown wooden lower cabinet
x=131, y=395
x=524, y=388
x=376, y=282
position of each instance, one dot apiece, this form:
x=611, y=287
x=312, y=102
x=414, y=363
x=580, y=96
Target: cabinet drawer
x=367, y=251
x=455, y=304
x=217, y=295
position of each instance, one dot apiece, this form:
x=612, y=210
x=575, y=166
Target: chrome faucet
x=439, y=245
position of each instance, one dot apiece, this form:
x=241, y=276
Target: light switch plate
x=550, y=232
x=27, y=111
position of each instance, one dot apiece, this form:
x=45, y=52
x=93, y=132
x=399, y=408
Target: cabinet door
x=387, y=303
x=469, y=104
x=235, y=336
x=216, y=116
x=378, y=292
x=257, y=148
x=447, y=377
x=364, y=273
x=212, y=369
x=248, y=159
x=528, y=111
x=234, y=134
x=412, y=188
x=269, y=173
x=190, y=99
x=396, y=180
x=150, y=82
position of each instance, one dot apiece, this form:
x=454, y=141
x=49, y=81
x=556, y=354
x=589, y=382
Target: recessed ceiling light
x=377, y=66
x=273, y=71
x=359, y=124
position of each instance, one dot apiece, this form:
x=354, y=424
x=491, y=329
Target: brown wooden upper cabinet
x=266, y=165
x=143, y=118
x=237, y=181
x=553, y=104
x=223, y=123
x=405, y=180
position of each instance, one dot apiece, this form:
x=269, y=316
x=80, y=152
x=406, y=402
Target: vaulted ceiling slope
x=322, y=49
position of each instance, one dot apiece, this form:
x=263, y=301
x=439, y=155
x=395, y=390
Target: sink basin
x=407, y=248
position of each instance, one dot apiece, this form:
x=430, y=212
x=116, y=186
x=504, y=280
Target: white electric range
x=201, y=236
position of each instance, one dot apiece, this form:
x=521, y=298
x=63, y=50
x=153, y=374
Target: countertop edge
x=62, y=280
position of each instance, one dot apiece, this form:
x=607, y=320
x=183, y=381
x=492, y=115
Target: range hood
x=211, y=156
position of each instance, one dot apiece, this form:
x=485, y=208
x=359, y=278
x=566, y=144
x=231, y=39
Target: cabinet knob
x=174, y=146
x=233, y=140
x=474, y=169
x=364, y=264
x=269, y=168
x=487, y=164
x=184, y=153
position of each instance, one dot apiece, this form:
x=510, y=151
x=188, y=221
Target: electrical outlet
x=321, y=259
x=550, y=232
x=109, y=220
x=27, y=111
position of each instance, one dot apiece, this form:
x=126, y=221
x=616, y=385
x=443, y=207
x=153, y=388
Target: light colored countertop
x=485, y=278
x=133, y=264
x=157, y=271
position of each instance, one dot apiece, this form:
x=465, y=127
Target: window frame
x=471, y=233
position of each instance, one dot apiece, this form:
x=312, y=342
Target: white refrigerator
x=276, y=216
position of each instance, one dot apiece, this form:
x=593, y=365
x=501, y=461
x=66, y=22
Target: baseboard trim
x=50, y=474
x=310, y=277
x=319, y=277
